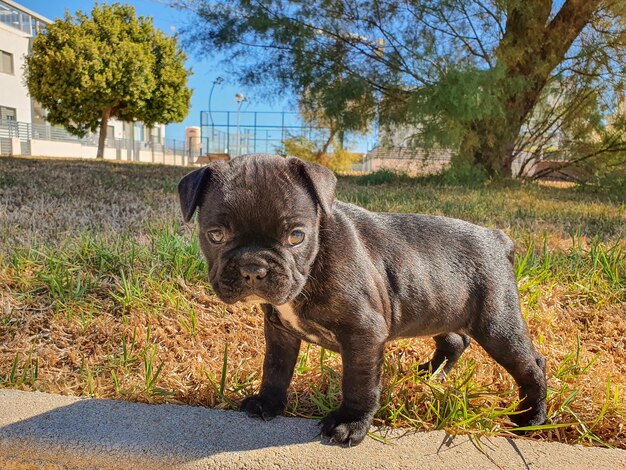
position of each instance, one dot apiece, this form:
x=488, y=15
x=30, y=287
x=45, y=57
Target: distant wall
x=48, y=148
x=406, y=160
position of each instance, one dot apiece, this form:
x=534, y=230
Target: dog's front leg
x=362, y=363
x=281, y=353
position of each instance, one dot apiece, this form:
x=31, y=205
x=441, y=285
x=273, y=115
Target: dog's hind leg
x=506, y=338
x=449, y=348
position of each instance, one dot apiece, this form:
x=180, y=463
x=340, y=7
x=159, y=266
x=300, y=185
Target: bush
x=380, y=177
x=463, y=174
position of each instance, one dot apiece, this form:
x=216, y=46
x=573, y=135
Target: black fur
x=358, y=280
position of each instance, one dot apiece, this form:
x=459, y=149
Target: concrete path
x=39, y=430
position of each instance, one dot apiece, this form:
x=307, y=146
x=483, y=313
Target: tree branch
x=565, y=27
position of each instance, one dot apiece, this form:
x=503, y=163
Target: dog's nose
x=253, y=272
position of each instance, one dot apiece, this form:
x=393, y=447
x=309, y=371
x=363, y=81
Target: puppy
x=350, y=280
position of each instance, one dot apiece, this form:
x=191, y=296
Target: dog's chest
x=312, y=332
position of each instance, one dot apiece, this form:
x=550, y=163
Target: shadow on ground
x=39, y=430
x=181, y=433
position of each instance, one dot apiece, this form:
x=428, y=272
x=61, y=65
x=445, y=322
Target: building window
x=110, y=136
x=6, y=62
x=156, y=134
x=15, y=18
x=37, y=26
x=7, y=114
x=138, y=133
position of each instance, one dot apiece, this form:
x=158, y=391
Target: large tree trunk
x=490, y=142
x=490, y=145
x=106, y=114
x=530, y=50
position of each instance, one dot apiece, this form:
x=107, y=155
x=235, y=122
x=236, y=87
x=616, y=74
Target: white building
x=23, y=129
x=17, y=27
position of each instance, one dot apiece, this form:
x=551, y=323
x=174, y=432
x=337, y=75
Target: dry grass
x=103, y=293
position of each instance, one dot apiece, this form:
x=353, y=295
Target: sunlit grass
x=104, y=293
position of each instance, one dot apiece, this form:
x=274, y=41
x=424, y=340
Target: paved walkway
x=39, y=430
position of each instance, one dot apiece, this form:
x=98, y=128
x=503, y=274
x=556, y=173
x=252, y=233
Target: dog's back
x=449, y=267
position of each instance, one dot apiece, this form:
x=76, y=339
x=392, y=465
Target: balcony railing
x=169, y=151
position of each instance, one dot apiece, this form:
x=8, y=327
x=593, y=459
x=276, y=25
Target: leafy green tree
x=337, y=108
x=478, y=76
x=86, y=70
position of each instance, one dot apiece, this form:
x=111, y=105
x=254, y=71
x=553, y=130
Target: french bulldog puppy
x=350, y=280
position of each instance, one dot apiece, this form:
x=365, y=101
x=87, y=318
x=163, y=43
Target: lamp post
x=239, y=98
x=217, y=81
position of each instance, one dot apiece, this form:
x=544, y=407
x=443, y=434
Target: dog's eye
x=216, y=235
x=295, y=237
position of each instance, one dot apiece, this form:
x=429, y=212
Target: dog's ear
x=319, y=180
x=191, y=188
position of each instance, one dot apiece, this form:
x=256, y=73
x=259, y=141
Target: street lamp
x=217, y=81
x=239, y=98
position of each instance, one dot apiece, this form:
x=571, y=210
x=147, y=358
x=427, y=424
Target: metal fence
x=241, y=132
x=21, y=138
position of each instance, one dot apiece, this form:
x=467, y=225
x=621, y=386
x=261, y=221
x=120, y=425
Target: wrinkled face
x=258, y=227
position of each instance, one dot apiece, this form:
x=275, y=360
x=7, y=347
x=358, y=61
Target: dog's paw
x=346, y=427
x=534, y=416
x=257, y=406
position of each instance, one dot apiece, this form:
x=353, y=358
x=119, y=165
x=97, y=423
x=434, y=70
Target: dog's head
x=259, y=221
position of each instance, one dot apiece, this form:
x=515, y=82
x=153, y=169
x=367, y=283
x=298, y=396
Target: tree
x=86, y=70
x=337, y=108
x=465, y=74
x=341, y=105
x=339, y=159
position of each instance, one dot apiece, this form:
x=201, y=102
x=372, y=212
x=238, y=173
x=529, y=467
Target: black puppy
x=350, y=280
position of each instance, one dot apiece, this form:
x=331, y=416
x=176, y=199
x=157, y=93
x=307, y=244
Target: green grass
x=103, y=292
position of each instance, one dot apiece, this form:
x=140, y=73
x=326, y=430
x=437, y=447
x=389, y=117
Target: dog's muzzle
x=254, y=277
x=253, y=274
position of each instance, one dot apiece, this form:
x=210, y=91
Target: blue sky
x=204, y=71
